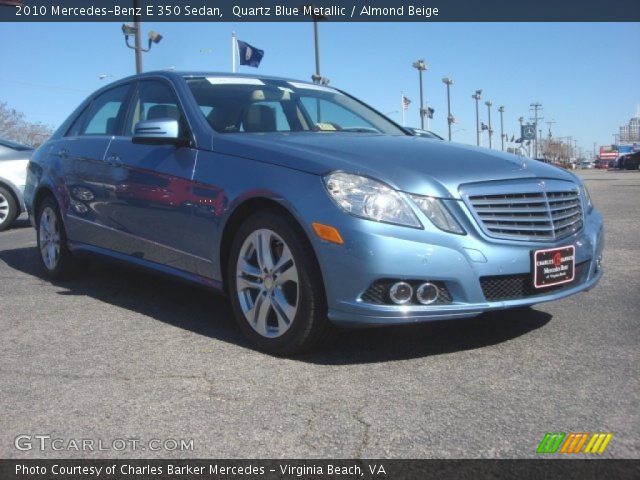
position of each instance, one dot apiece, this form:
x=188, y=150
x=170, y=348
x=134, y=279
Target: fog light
x=401, y=293
x=427, y=293
x=598, y=263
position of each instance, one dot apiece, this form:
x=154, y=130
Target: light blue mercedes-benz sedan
x=305, y=206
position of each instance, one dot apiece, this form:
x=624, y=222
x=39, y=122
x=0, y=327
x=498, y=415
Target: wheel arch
x=43, y=192
x=13, y=190
x=243, y=211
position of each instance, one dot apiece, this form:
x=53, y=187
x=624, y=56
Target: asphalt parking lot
x=120, y=354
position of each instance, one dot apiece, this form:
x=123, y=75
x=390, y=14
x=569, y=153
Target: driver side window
x=154, y=99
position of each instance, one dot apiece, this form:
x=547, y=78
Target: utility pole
x=535, y=107
x=549, y=123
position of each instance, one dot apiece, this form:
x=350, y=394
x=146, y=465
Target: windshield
x=240, y=104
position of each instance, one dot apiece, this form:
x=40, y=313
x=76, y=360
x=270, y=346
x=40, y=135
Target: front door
x=151, y=205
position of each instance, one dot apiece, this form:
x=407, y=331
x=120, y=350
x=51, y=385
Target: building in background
x=630, y=133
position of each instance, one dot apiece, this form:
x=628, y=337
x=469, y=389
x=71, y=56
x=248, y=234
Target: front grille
x=535, y=215
x=509, y=287
x=378, y=292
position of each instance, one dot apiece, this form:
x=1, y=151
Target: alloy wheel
x=4, y=208
x=49, y=236
x=267, y=283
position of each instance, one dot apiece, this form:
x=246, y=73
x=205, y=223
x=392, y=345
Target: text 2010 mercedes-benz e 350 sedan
x=305, y=206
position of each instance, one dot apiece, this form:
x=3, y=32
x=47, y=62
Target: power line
x=49, y=87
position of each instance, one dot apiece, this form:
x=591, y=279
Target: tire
x=9, y=210
x=281, y=310
x=56, y=259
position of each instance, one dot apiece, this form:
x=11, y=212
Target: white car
x=14, y=158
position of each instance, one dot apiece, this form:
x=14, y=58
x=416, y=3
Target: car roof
x=173, y=74
x=195, y=74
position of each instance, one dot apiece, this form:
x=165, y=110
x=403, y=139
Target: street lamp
x=501, y=110
x=448, y=82
x=317, y=16
x=421, y=66
x=477, y=96
x=128, y=30
x=488, y=104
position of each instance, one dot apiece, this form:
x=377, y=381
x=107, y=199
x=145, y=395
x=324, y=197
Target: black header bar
x=332, y=10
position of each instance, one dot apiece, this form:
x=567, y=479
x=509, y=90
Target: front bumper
x=374, y=251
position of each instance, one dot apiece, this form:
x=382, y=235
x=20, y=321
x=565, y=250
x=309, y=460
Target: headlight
x=368, y=198
x=587, y=198
x=437, y=212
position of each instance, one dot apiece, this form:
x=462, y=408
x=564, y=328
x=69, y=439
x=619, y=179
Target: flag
x=249, y=55
x=405, y=102
x=512, y=137
x=430, y=112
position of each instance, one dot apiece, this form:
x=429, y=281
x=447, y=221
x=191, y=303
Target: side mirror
x=161, y=131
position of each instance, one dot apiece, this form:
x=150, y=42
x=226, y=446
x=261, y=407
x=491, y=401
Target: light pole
x=501, y=110
x=127, y=30
x=448, y=82
x=317, y=78
x=488, y=104
x=477, y=96
x=421, y=66
x=520, y=120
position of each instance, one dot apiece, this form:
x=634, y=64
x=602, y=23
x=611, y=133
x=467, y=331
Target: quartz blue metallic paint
x=181, y=233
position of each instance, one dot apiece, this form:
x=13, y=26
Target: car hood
x=410, y=164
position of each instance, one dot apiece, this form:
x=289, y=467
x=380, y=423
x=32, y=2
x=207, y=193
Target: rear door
x=82, y=154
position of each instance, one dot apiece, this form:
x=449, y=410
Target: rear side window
x=106, y=112
x=76, y=126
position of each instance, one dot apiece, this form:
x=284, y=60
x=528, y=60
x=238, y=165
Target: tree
x=14, y=126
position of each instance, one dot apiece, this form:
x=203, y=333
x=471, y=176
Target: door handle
x=114, y=160
x=63, y=152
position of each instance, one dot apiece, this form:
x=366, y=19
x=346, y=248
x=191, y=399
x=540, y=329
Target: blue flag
x=249, y=55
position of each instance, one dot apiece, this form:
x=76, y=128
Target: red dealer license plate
x=554, y=266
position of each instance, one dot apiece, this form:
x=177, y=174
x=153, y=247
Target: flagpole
x=233, y=52
x=402, y=106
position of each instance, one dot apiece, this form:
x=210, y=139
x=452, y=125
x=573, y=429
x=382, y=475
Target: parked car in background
x=602, y=163
x=586, y=164
x=14, y=158
x=631, y=161
x=419, y=132
x=305, y=206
